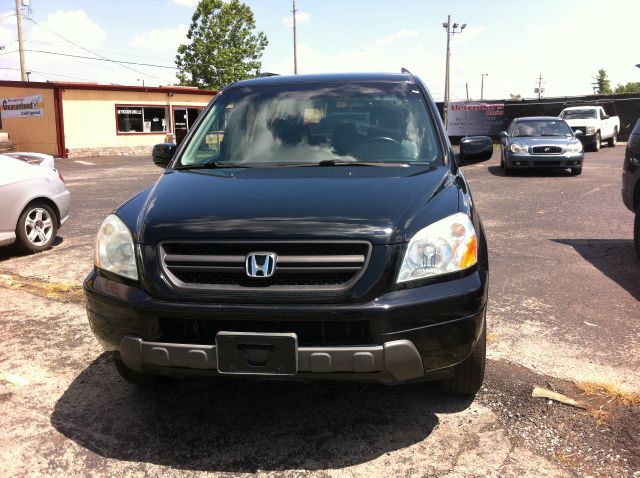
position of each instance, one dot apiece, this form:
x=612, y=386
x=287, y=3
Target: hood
x=380, y=204
x=582, y=122
x=562, y=141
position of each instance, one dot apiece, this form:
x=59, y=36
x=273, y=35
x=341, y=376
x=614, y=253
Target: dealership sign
x=21, y=107
x=475, y=118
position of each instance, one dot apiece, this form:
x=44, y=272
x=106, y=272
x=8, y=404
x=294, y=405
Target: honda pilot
x=308, y=227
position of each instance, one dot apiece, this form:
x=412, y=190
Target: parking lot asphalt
x=564, y=310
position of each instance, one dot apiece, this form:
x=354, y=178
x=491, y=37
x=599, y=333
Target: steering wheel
x=381, y=139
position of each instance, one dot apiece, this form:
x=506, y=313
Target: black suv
x=308, y=227
x=631, y=181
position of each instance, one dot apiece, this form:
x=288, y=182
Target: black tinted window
x=315, y=122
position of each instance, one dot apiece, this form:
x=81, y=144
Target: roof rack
x=407, y=72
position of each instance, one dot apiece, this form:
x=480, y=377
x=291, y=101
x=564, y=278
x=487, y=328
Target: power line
x=46, y=73
x=93, y=52
x=94, y=58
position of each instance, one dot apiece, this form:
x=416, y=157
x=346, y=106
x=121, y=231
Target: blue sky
x=513, y=42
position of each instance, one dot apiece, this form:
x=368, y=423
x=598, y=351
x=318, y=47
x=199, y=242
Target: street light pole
x=295, y=40
x=482, y=86
x=452, y=29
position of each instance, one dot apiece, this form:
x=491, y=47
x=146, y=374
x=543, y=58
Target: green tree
x=602, y=84
x=633, y=87
x=223, y=46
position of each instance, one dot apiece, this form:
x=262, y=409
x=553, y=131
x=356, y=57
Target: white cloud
x=396, y=37
x=161, y=39
x=74, y=25
x=301, y=17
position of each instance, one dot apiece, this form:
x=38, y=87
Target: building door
x=183, y=118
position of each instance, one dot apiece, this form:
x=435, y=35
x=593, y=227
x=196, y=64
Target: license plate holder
x=254, y=353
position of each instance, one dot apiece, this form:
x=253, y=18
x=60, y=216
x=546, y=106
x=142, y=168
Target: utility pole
x=540, y=86
x=482, y=86
x=467, y=85
x=451, y=30
x=23, y=66
x=295, y=40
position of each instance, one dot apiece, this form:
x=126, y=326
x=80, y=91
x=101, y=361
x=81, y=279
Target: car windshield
x=315, y=124
x=551, y=127
x=579, y=114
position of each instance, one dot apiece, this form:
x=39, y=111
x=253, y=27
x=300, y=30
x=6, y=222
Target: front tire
x=636, y=232
x=597, y=143
x=469, y=375
x=614, y=139
x=576, y=171
x=37, y=227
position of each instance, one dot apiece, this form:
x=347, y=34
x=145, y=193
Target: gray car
x=34, y=199
x=541, y=142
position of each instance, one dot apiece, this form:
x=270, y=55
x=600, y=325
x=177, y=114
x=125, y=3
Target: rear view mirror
x=162, y=154
x=475, y=148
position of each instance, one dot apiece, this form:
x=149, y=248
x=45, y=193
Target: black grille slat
x=546, y=150
x=310, y=333
x=300, y=266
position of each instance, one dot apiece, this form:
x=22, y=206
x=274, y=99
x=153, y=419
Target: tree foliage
x=633, y=87
x=223, y=45
x=603, y=85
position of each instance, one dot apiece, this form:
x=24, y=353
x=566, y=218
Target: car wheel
x=37, y=227
x=614, y=139
x=576, y=171
x=469, y=375
x=636, y=233
x=597, y=143
x=137, y=378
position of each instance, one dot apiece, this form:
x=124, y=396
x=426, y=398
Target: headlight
x=591, y=129
x=519, y=148
x=114, y=248
x=574, y=147
x=448, y=245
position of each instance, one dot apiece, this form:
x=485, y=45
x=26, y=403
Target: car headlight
x=447, y=245
x=114, y=248
x=574, y=147
x=591, y=129
x=519, y=148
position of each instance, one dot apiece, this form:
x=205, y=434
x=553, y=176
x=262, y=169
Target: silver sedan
x=34, y=201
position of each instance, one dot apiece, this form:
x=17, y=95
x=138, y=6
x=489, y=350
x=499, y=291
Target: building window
x=141, y=119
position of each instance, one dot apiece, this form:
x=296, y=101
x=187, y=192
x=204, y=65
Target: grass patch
x=55, y=290
x=610, y=392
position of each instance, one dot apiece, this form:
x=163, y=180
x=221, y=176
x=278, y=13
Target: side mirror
x=503, y=134
x=577, y=133
x=162, y=154
x=604, y=117
x=475, y=148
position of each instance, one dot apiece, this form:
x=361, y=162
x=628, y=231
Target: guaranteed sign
x=475, y=118
x=21, y=107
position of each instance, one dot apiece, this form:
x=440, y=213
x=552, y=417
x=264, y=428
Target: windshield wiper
x=212, y=165
x=338, y=162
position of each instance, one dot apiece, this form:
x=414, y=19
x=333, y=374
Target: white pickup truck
x=595, y=124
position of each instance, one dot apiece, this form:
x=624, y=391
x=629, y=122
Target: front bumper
x=414, y=333
x=561, y=161
x=399, y=360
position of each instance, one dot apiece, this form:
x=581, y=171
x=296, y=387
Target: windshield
x=579, y=114
x=541, y=128
x=311, y=123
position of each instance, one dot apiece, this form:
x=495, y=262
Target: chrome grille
x=304, y=266
x=546, y=150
